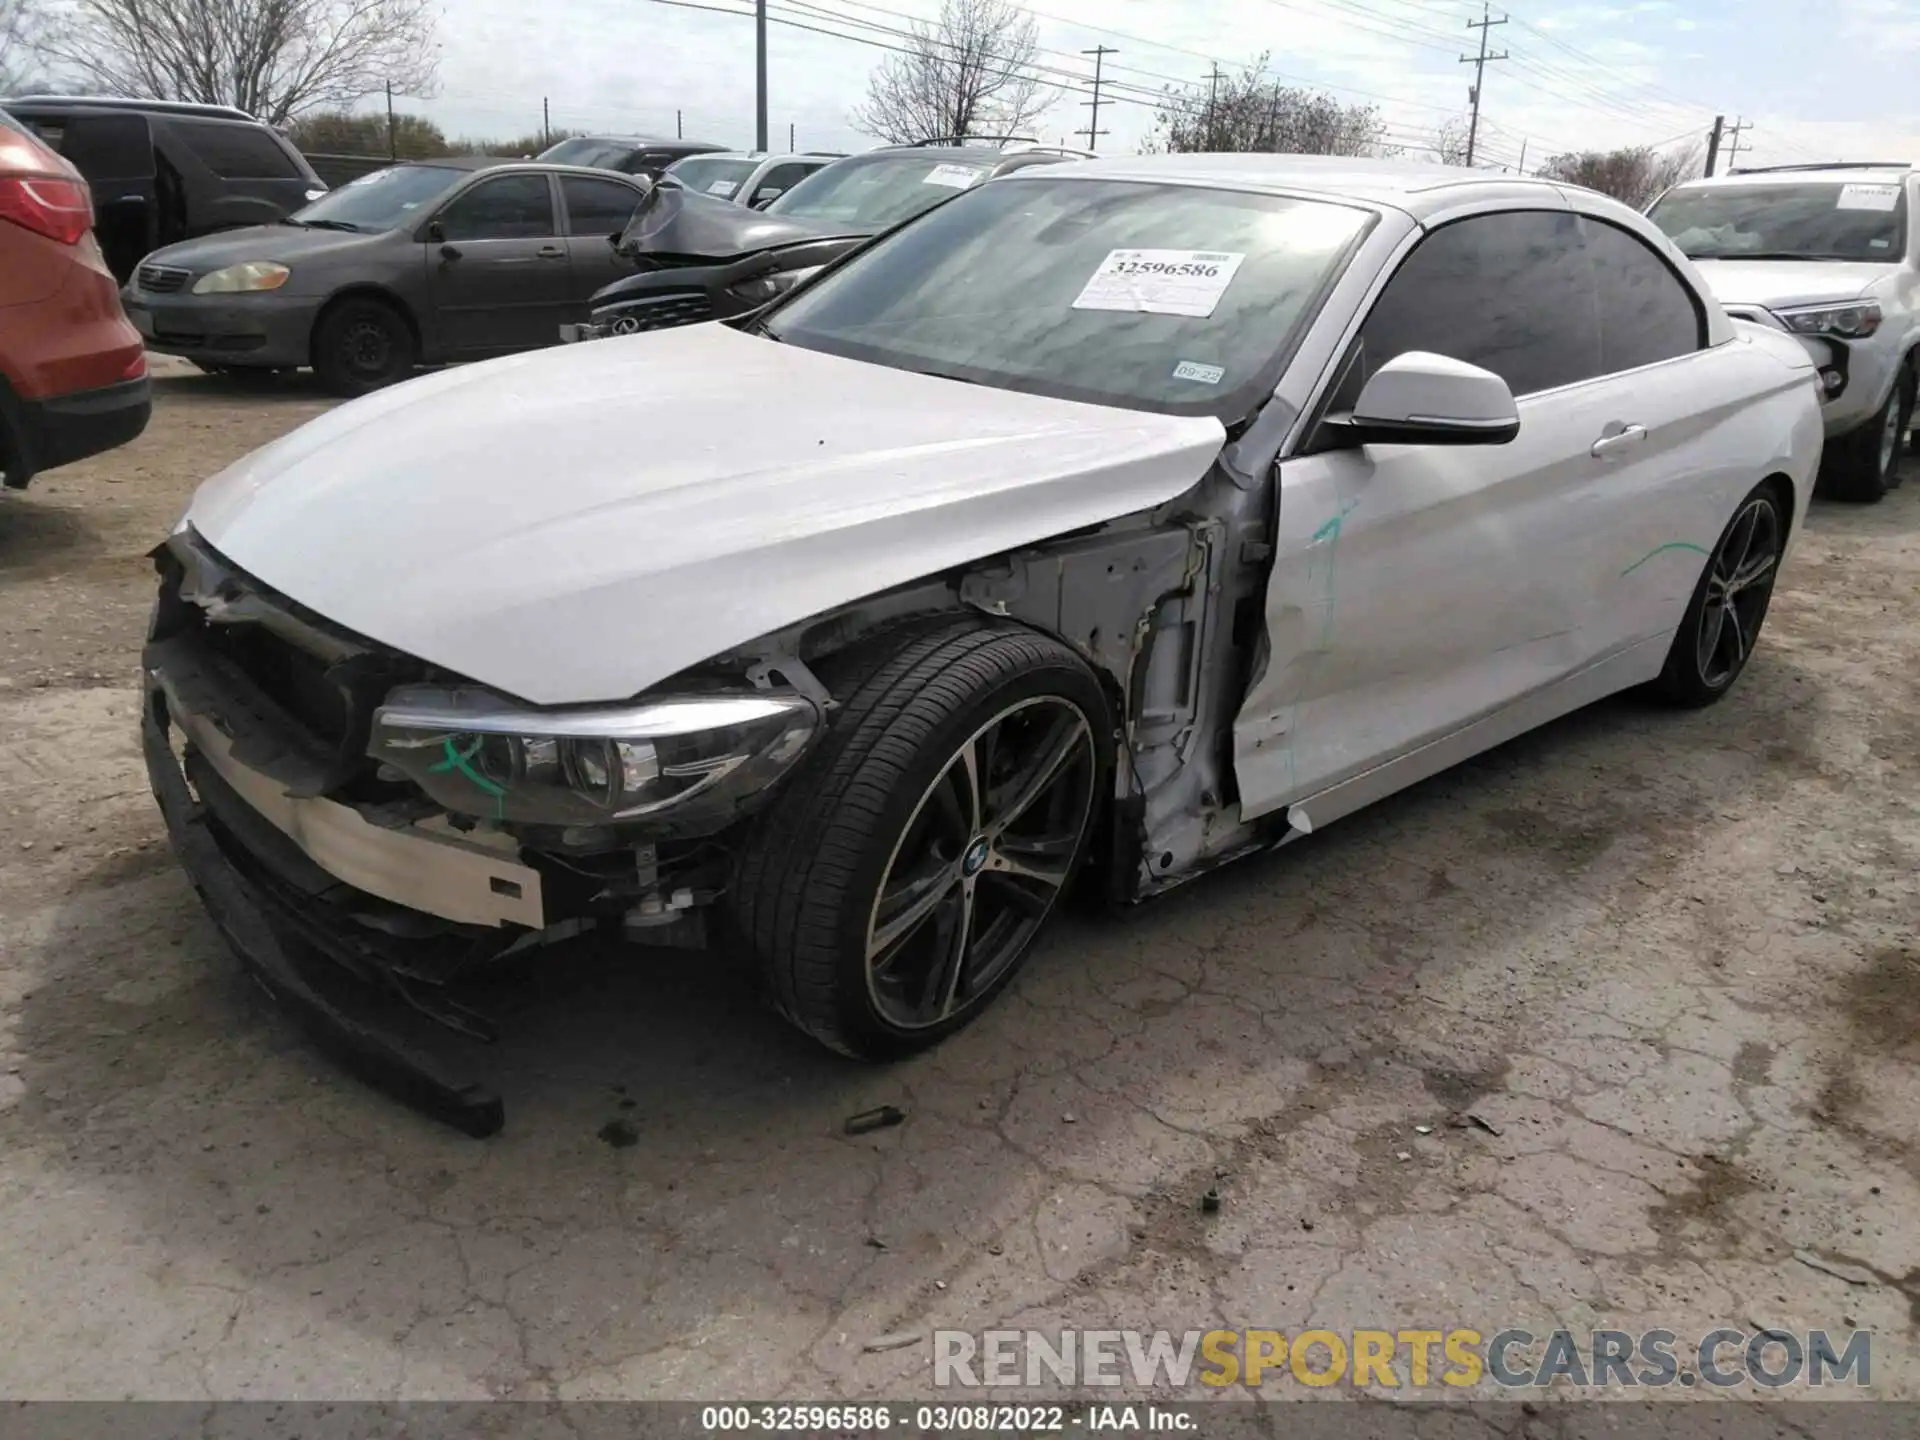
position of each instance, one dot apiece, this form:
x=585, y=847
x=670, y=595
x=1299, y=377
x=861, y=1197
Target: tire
x=1723, y=618
x=361, y=345
x=881, y=826
x=1864, y=465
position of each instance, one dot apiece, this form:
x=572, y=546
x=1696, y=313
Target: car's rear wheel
x=1723, y=619
x=1865, y=465
x=361, y=344
x=900, y=881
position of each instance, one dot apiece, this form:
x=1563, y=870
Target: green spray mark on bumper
x=1670, y=545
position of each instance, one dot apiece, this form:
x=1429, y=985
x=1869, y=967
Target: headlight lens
x=239, y=279
x=684, y=764
x=762, y=288
x=1849, y=322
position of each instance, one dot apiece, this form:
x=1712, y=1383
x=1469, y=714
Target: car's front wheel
x=1865, y=465
x=361, y=344
x=900, y=880
x=1723, y=619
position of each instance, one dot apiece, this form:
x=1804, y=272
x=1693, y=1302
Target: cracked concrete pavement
x=1666, y=961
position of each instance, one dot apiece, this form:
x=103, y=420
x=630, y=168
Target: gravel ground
x=1668, y=961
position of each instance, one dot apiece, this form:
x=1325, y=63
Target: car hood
x=282, y=243
x=676, y=222
x=580, y=523
x=1773, y=284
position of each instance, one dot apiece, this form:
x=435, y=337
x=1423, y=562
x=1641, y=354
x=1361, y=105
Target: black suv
x=629, y=154
x=164, y=171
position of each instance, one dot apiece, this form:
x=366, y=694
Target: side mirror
x=1420, y=398
x=436, y=231
x=613, y=240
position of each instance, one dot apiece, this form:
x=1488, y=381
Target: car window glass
x=594, y=154
x=513, y=207
x=870, y=193
x=1810, y=220
x=597, y=207
x=236, y=152
x=783, y=177
x=108, y=147
x=1511, y=293
x=718, y=175
x=1186, y=301
x=1646, y=312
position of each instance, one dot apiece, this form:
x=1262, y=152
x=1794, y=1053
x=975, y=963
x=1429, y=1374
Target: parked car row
x=1123, y=517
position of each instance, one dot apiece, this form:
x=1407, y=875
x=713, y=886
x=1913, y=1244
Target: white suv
x=1831, y=254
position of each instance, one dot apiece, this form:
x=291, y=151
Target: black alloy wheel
x=984, y=855
x=1722, y=623
x=900, y=877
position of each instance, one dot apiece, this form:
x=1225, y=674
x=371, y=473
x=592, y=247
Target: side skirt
x=1635, y=665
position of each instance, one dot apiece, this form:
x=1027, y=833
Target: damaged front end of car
x=368, y=831
x=701, y=259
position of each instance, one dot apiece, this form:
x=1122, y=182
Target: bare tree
x=969, y=73
x=1637, y=175
x=19, y=34
x=272, y=58
x=1249, y=111
x=1450, y=142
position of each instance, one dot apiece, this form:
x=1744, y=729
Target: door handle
x=1619, y=440
x=551, y=252
x=449, y=252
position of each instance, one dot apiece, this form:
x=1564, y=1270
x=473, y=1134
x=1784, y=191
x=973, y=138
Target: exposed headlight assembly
x=1848, y=322
x=241, y=279
x=684, y=764
x=762, y=288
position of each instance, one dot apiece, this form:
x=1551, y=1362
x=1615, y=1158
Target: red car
x=73, y=372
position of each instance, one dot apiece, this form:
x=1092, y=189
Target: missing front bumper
x=333, y=983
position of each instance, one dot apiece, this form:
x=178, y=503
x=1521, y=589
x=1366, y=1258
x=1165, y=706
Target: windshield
x=384, y=200
x=1818, y=220
x=872, y=193
x=713, y=175
x=595, y=154
x=1151, y=297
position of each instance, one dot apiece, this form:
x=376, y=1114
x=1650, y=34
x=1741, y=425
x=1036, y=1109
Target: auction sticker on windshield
x=1868, y=197
x=1160, y=282
x=956, y=177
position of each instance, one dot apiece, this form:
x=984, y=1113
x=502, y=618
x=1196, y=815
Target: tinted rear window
x=1811, y=220
x=236, y=152
x=595, y=154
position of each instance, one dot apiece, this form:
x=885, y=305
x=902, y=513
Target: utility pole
x=1521, y=168
x=1713, y=140
x=789, y=137
x=1485, y=23
x=546, y=127
x=1730, y=140
x=1093, y=132
x=679, y=132
x=1213, y=100
x=760, y=75
x=393, y=152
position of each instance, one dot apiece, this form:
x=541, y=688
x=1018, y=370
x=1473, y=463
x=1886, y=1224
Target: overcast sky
x=1828, y=81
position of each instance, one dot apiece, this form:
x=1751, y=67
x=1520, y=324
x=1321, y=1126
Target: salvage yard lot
x=1666, y=961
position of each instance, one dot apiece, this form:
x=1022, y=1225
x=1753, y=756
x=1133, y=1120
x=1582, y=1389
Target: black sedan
x=451, y=259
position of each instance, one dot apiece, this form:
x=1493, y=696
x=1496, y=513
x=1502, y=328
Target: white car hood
x=1776, y=284
x=580, y=523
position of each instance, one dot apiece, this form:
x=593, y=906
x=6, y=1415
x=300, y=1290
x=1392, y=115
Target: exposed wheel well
x=370, y=292
x=1781, y=488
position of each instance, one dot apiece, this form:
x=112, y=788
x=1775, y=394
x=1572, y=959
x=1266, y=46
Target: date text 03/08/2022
x=963, y=1418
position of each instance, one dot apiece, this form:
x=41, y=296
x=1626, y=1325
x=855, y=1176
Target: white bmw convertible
x=1136, y=514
